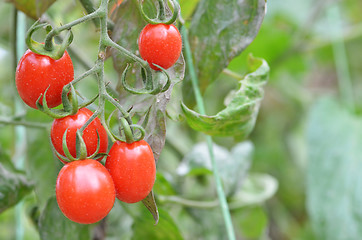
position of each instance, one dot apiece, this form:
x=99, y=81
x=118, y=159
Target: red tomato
x=74, y=122
x=133, y=170
x=35, y=73
x=160, y=44
x=85, y=191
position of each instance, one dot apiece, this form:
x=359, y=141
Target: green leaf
x=220, y=30
x=144, y=228
x=54, y=225
x=118, y=223
x=150, y=204
x=232, y=166
x=334, y=183
x=32, y=8
x=13, y=184
x=41, y=165
x=239, y=116
x=250, y=222
x=163, y=186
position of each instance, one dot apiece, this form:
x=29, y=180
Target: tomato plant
x=71, y=124
x=133, y=169
x=36, y=73
x=85, y=191
x=160, y=44
x=128, y=109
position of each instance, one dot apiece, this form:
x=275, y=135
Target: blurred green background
x=313, y=48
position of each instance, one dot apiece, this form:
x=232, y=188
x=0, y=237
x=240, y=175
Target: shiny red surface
x=35, y=73
x=133, y=169
x=74, y=122
x=160, y=44
x=85, y=191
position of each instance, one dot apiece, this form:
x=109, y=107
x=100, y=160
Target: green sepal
x=56, y=51
x=161, y=15
x=70, y=103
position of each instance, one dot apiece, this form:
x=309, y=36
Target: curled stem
x=161, y=14
x=49, y=38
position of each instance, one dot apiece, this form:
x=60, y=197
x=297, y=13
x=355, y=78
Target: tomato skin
x=160, y=44
x=35, y=73
x=133, y=170
x=85, y=191
x=74, y=122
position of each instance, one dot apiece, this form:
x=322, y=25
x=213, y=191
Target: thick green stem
x=20, y=131
x=23, y=123
x=188, y=202
x=48, y=40
x=200, y=103
x=88, y=6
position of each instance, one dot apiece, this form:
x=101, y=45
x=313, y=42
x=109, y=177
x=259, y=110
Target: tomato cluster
x=85, y=188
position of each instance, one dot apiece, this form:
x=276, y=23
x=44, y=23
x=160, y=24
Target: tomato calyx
x=69, y=100
x=128, y=128
x=161, y=13
x=153, y=87
x=81, y=149
x=50, y=49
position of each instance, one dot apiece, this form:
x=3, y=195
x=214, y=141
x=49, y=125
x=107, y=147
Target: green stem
x=188, y=202
x=48, y=40
x=94, y=69
x=24, y=123
x=20, y=131
x=88, y=6
x=340, y=59
x=200, y=103
x=124, y=51
x=233, y=74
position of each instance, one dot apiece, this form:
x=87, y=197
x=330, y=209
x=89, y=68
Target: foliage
x=296, y=177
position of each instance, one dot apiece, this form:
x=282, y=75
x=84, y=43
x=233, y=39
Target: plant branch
x=23, y=123
x=48, y=40
x=200, y=103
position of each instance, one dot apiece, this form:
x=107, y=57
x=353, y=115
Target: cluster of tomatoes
x=85, y=188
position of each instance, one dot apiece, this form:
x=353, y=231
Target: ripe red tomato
x=133, y=170
x=35, y=73
x=85, y=191
x=160, y=44
x=74, y=122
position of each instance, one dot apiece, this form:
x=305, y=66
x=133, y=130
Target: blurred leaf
x=144, y=228
x=232, y=166
x=334, y=183
x=41, y=165
x=114, y=229
x=13, y=184
x=32, y=8
x=162, y=185
x=150, y=204
x=54, y=225
x=220, y=30
x=256, y=189
x=239, y=116
x=250, y=222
